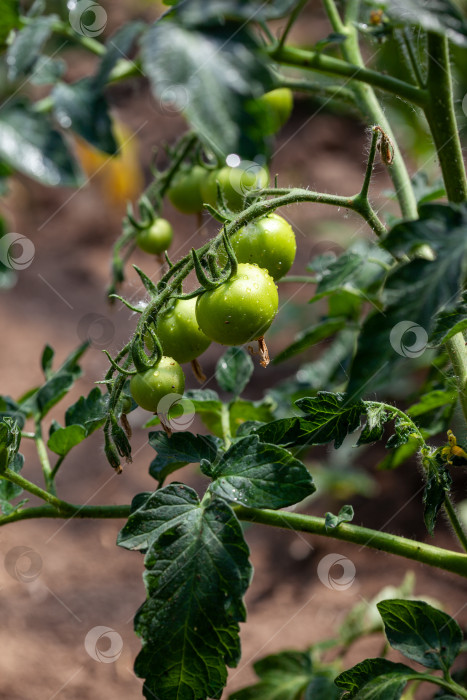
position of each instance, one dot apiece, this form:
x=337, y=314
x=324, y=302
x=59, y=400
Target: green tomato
x=156, y=238
x=185, y=192
x=268, y=242
x=148, y=388
x=179, y=333
x=279, y=104
x=235, y=183
x=241, y=309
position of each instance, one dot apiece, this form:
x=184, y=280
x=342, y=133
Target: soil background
x=78, y=579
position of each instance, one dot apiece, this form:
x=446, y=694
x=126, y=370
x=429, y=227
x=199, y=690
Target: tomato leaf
x=89, y=412
x=376, y=417
x=9, y=19
x=374, y=679
x=234, y=370
x=46, y=360
x=438, y=485
x=330, y=417
x=10, y=438
x=10, y=491
x=181, y=449
x=11, y=409
x=24, y=52
x=345, y=515
x=29, y=144
x=64, y=439
x=442, y=17
x=448, y=323
x=211, y=76
x=410, y=303
x=259, y=475
x=322, y=688
x=311, y=336
x=198, y=12
x=282, y=676
x=421, y=633
x=197, y=571
x=433, y=399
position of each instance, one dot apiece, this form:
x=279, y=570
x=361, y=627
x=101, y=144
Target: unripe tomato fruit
x=235, y=183
x=279, y=104
x=148, y=388
x=156, y=238
x=185, y=192
x=268, y=242
x=241, y=309
x=179, y=333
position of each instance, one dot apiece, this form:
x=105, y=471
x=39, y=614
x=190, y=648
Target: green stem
x=332, y=91
x=225, y=423
x=441, y=118
x=385, y=542
x=73, y=511
x=44, y=458
x=35, y=490
x=369, y=165
x=448, y=685
x=57, y=466
x=458, y=356
x=455, y=522
x=291, y=21
x=318, y=61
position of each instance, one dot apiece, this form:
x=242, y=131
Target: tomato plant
x=381, y=361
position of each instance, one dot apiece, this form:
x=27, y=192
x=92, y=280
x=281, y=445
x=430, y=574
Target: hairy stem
x=455, y=522
x=383, y=541
x=44, y=458
x=73, y=511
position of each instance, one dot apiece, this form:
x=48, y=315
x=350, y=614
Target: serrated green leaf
x=345, y=515
x=63, y=440
x=376, y=417
x=197, y=573
x=10, y=438
x=282, y=676
x=259, y=475
x=182, y=448
x=330, y=417
x=27, y=46
x=421, y=633
x=30, y=144
x=403, y=433
x=448, y=323
x=311, y=336
x=433, y=399
x=233, y=370
x=372, y=676
x=9, y=19
x=414, y=293
x=10, y=491
x=437, y=487
x=212, y=76
x=442, y=17
x=11, y=409
x=90, y=411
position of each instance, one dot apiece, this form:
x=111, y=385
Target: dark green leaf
x=414, y=293
x=233, y=370
x=10, y=438
x=90, y=411
x=258, y=475
x=345, y=515
x=9, y=491
x=322, y=688
x=64, y=439
x=442, y=17
x=47, y=71
x=330, y=417
x=198, y=12
x=403, y=433
x=431, y=400
x=399, y=455
x=448, y=323
x=242, y=411
x=118, y=46
x=29, y=144
x=182, y=448
x=376, y=417
x=420, y=632
x=311, y=336
x=27, y=46
x=425, y=191
x=211, y=76
x=46, y=360
x=81, y=108
x=282, y=676
x=438, y=484
x=9, y=19
x=11, y=409
x=380, y=675
x=197, y=573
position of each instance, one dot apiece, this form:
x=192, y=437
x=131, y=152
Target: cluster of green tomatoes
x=235, y=311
